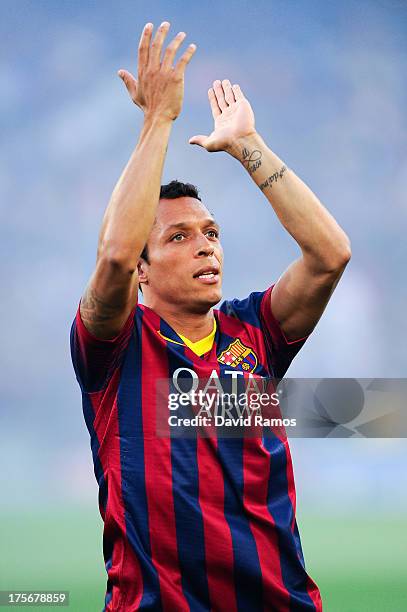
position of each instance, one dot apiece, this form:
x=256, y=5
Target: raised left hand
x=233, y=116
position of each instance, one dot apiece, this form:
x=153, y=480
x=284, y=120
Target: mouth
x=208, y=275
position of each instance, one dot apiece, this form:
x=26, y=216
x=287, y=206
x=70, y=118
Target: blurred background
x=327, y=82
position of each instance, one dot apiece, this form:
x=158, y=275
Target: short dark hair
x=172, y=190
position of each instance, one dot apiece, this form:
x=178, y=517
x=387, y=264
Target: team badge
x=237, y=354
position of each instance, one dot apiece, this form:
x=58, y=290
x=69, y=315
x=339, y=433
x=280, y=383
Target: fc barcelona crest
x=237, y=354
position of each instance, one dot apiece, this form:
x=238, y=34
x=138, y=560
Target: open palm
x=232, y=114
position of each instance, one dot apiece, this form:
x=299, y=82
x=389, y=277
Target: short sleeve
x=94, y=360
x=281, y=352
x=255, y=310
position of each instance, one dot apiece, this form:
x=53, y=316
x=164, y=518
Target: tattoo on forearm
x=252, y=160
x=273, y=178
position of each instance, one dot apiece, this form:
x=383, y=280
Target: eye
x=212, y=233
x=177, y=238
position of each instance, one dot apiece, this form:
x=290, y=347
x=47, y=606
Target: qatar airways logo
x=235, y=400
x=214, y=383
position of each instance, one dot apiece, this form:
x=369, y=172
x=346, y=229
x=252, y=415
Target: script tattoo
x=252, y=160
x=273, y=178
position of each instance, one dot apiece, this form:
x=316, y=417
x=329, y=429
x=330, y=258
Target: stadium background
x=327, y=81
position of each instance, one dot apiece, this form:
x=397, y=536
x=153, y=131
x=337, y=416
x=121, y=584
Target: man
x=201, y=523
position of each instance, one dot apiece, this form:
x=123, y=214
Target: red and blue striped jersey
x=190, y=523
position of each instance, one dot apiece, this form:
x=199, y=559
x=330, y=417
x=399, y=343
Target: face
x=185, y=257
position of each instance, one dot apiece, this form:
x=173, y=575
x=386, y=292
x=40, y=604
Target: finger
x=214, y=104
x=171, y=50
x=227, y=88
x=129, y=80
x=144, y=45
x=237, y=92
x=157, y=45
x=184, y=60
x=220, y=95
x=199, y=139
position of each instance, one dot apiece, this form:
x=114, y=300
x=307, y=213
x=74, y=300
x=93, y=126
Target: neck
x=192, y=325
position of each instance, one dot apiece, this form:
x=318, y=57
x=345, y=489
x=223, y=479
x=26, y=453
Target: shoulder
x=247, y=310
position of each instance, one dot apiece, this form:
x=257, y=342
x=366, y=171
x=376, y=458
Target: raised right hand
x=159, y=87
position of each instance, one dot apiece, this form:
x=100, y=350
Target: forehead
x=187, y=210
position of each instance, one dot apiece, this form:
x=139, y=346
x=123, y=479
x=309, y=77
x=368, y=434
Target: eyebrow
x=183, y=225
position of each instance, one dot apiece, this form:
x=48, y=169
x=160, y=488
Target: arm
x=112, y=290
x=303, y=291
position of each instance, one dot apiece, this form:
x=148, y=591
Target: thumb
x=129, y=80
x=199, y=139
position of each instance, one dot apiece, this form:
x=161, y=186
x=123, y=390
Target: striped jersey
x=191, y=523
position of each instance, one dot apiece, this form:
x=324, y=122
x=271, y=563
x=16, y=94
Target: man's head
x=182, y=261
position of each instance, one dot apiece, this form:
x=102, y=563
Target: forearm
x=324, y=244
x=131, y=211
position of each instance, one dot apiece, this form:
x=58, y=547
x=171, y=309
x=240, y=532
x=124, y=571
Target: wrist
x=152, y=119
x=248, y=142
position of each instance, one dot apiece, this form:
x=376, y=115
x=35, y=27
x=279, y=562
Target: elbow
x=117, y=260
x=118, y=255
x=343, y=256
x=333, y=261
x=338, y=261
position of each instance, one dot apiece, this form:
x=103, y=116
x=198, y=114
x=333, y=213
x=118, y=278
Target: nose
x=205, y=247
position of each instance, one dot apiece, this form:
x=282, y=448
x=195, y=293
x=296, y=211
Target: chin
x=212, y=297
x=206, y=300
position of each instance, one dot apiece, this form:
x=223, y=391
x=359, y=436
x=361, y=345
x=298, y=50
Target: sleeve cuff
x=271, y=322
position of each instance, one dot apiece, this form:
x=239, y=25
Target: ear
x=142, y=271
